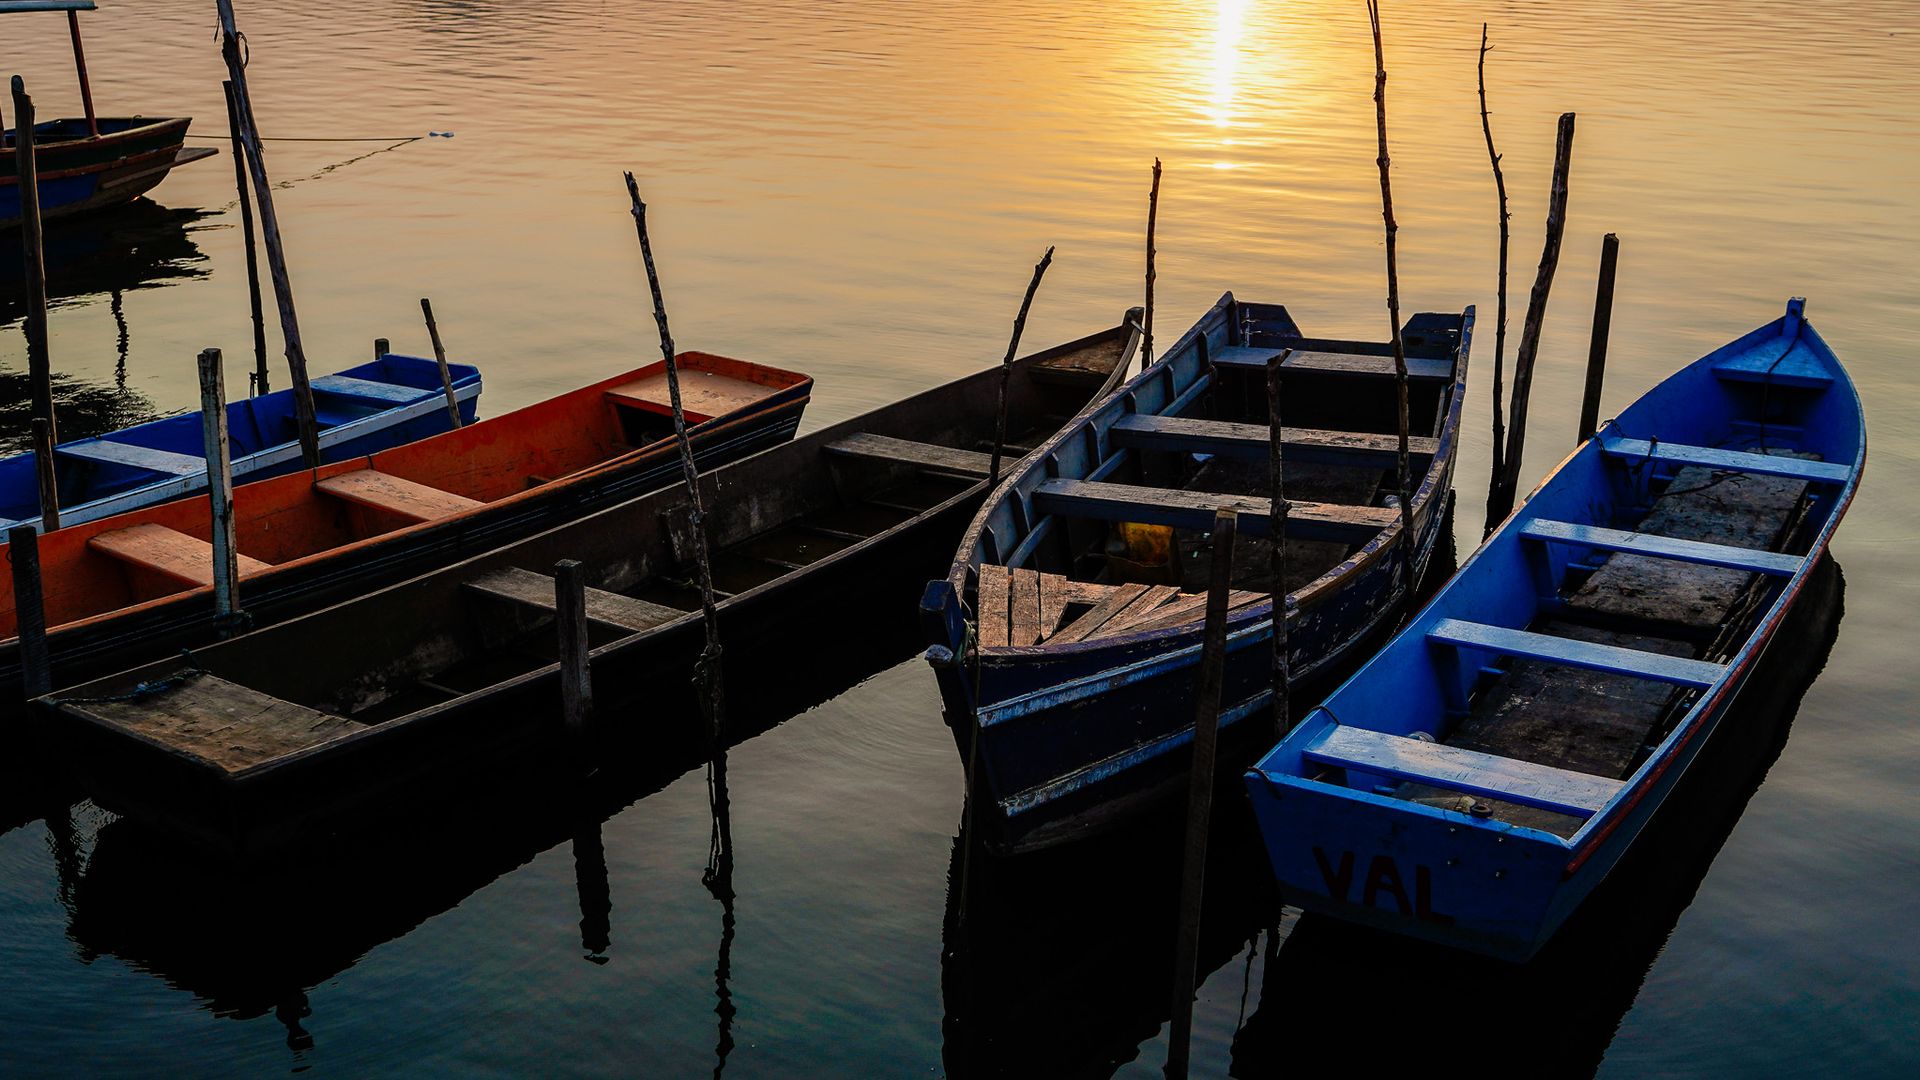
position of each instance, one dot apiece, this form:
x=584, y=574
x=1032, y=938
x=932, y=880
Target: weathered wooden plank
x=1080, y=628
x=1332, y=363
x=993, y=601
x=703, y=394
x=1529, y=784
x=1727, y=460
x=395, y=495
x=348, y=386
x=1182, y=612
x=908, y=452
x=139, y=457
x=1251, y=441
x=1574, y=653
x=230, y=726
x=1023, y=607
x=536, y=590
x=1142, y=606
x=1054, y=598
x=1664, y=547
x=167, y=552
x=1194, y=510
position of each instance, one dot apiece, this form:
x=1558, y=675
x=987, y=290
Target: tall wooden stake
x=1393, y=298
x=381, y=347
x=1153, y=215
x=707, y=672
x=270, y=232
x=48, y=481
x=1500, y=327
x=30, y=611
x=1006, y=368
x=1206, y=732
x=570, y=619
x=260, y=382
x=80, y=66
x=440, y=355
x=32, y=250
x=213, y=430
x=1277, y=531
x=1597, y=351
x=1525, y=355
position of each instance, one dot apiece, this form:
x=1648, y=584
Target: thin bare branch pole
x=1393, y=297
x=440, y=357
x=1597, y=348
x=707, y=670
x=80, y=67
x=33, y=253
x=1153, y=216
x=270, y=232
x=1529, y=349
x=246, y=237
x=48, y=479
x=1500, y=327
x=1006, y=368
x=1277, y=532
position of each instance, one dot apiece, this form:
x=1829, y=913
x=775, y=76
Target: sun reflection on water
x=1229, y=20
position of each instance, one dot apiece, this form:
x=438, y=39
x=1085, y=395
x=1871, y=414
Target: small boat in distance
x=1474, y=781
x=1066, y=636
x=124, y=589
x=94, y=161
x=439, y=679
x=371, y=407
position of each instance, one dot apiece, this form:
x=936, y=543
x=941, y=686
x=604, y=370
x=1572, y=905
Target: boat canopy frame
x=73, y=8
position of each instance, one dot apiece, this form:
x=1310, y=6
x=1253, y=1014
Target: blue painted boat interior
x=359, y=410
x=1355, y=773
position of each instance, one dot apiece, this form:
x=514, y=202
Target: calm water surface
x=859, y=191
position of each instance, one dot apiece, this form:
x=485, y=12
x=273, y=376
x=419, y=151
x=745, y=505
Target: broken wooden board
x=229, y=726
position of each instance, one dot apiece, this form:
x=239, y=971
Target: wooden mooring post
x=1206, y=734
x=1393, y=300
x=33, y=252
x=30, y=611
x=213, y=430
x=260, y=378
x=1277, y=532
x=1153, y=217
x=440, y=356
x=381, y=347
x=576, y=674
x=1006, y=369
x=1500, y=326
x=270, y=232
x=48, y=480
x=1597, y=350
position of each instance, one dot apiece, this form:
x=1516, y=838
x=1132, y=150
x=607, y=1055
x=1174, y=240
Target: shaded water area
x=859, y=192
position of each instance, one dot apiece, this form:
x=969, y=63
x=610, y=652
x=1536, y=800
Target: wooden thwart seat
x=938, y=458
x=703, y=394
x=383, y=491
x=139, y=457
x=1510, y=779
x=536, y=590
x=1663, y=547
x=1727, y=460
x=229, y=726
x=168, y=552
x=1332, y=363
x=392, y=394
x=1195, y=510
x=1581, y=654
x=1250, y=441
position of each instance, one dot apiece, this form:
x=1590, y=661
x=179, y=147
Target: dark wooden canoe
x=1066, y=635
x=288, y=733
x=81, y=172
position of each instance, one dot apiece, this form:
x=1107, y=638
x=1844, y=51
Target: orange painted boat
x=136, y=586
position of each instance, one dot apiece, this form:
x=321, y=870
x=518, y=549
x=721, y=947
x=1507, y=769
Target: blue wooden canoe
x=1473, y=782
x=388, y=402
x=1067, y=633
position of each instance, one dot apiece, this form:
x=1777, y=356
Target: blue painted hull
x=1075, y=737
x=1342, y=841
x=361, y=410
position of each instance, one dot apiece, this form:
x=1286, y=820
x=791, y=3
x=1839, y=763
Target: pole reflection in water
x=719, y=881
x=596, y=894
x=1565, y=1006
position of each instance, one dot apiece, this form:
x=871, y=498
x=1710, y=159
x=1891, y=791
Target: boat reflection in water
x=1566, y=1004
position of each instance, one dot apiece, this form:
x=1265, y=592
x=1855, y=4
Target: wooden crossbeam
x=1194, y=510
x=536, y=590
x=1250, y=441
x=1663, y=547
x=395, y=495
x=168, y=552
x=1727, y=460
x=1332, y=363
x=945, y=459
x=1581, y=654
x=1508, y=779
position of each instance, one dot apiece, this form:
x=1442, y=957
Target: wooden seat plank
x=1186, y=434
x=1581, y=654
x=1796, y=468
x=139, y=457
x=1664, y=547
x=1080, y=628
x=395, y=495
x=230, y=726
x=168, y=552
x=703, y=394
x=948, y=459
x=391, y=393
x=536, y=590
x=1195, y=510
x=1332, y=363
x=1543, y=786
x=992, y=602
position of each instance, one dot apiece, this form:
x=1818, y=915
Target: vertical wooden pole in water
x=576, y=675
x=1529, y=349
x=30, y=612
x=1006, y=369
x=80, y=67
x=1597, y=351
x=213, y=430
x=1153, y=217
x=260, y=383
x=1500, y=327
x=381, y=347
x=1277, y=531
x=270, y=232
x=32, y=250
x=440, y=356
x=1393, y=300
x=47, y=479
x=1206, y=732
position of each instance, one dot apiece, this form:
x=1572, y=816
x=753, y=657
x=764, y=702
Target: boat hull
x=80, y=174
